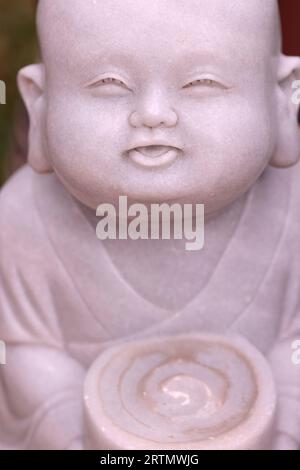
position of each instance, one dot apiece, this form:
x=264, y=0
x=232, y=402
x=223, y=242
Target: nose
x=153, y=111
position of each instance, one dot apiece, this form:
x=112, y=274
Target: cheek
x=230, y=146
x=251, y=138
x=232, y=135
x=84, y=142
x=84, y=130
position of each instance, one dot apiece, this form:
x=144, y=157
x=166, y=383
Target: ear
x=31, y=83
x=287, y=152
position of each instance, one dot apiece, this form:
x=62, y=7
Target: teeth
x=153, y=151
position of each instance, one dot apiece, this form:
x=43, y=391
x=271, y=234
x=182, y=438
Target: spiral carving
x=180, y=392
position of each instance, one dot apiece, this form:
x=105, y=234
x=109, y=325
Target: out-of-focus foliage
x=18, y=47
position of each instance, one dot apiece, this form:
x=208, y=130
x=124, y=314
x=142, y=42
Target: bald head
x=59, y=21
x=115, y=69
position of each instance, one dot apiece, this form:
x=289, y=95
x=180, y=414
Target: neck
x=163, y=271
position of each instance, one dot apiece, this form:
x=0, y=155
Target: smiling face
x=160, y=101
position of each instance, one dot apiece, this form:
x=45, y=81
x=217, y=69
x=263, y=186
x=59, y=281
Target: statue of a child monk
x=121, y=84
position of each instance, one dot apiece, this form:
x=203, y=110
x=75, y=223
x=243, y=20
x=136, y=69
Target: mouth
x=154, y=156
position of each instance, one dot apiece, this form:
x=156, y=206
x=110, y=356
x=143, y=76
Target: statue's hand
x=43, y=388
x=287, y=379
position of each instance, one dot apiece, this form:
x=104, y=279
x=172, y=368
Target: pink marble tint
x=185, y=101
x=188, y=392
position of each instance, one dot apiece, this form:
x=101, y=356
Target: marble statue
x=163, y=102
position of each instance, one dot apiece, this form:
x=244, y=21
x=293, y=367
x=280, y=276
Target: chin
x=158, y=196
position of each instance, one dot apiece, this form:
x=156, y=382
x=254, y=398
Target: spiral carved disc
x=180, y=392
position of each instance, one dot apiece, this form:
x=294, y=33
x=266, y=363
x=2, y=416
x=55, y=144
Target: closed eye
x=206, y=82
x=109, y=81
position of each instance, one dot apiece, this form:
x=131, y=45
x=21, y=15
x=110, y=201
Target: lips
x=153, y=156
x=154, y=151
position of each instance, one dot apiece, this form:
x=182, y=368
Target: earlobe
x=31, y=83
x=287, y=152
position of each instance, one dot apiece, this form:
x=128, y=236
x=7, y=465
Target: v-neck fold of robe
x=55, y=265
x=60, y=288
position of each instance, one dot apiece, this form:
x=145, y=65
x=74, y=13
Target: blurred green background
x=18, y=47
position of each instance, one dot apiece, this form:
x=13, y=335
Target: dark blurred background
x=18, y=47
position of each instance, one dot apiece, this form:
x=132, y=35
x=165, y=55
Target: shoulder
x=26, y=265
x=286, y=187
x=17, y=209
x=293, y=219
x=22, y=231
x=295, y=186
